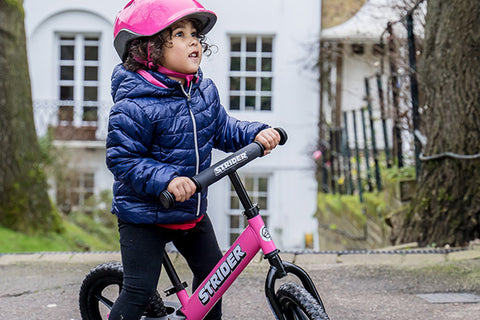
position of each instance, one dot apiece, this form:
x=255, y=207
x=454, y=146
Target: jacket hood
x=128, y=84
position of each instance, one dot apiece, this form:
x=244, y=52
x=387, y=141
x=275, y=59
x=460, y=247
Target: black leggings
x=142, y=248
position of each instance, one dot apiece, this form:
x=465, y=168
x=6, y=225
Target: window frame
x=75, y=189
x=240, y=90
x=79, y=110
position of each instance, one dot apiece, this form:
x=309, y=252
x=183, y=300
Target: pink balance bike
x=290, y=301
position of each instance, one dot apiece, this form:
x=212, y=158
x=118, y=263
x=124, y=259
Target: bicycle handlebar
x=223, y=167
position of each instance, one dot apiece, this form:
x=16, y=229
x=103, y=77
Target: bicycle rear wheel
x=100, y=289
x=298, y=304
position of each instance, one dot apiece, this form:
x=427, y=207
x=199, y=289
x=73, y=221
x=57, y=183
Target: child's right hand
x=182, y=188
x=269, y=138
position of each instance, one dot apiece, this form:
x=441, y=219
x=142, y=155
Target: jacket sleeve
x=233, y=134
x=129, y=140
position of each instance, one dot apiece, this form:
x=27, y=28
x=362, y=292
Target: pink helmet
x=142, y=18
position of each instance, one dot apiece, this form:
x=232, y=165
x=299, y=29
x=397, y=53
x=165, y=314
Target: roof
x=367, y=24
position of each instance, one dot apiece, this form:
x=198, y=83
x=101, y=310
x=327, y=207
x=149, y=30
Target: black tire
x=100, y=289
x=298, y=304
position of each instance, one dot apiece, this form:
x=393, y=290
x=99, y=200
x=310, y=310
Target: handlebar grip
x=167, y=199
x=283, y=135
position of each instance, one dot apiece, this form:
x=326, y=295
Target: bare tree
x=24, y=202
x=446, y=208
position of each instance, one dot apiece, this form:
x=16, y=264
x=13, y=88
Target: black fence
x=374, y=136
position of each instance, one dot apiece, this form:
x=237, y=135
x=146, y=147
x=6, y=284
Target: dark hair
x=137, y=49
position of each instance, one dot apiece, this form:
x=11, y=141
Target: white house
x=357, y=54
x=360, y=47
x=260, y=72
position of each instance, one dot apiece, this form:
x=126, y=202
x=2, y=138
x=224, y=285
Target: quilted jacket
x=156, y=134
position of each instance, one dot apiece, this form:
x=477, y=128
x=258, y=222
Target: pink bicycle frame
x=244, y=249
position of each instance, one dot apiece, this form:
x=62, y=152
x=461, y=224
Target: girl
x=162, y=128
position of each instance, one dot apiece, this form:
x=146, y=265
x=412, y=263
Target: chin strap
x=188, y=77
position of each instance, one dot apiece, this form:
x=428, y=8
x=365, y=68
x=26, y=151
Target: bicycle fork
x=279, y=269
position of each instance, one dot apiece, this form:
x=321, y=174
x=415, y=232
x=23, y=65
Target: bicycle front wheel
x=297, y=303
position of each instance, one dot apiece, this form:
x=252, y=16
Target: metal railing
x=75, y=125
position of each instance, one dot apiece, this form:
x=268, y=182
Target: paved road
x=46, y=287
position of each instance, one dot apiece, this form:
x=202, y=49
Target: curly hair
x=137, y=49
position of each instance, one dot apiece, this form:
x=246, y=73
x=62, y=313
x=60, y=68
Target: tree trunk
x=446, y=209
x=24, y=202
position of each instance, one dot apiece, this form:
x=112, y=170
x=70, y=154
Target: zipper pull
x=189, y=97
x=189, y=94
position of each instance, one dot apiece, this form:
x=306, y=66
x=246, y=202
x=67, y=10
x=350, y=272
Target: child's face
x=184, y=52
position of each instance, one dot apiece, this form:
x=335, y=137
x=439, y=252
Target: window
x=257, y=188
x=358, y=48
x=78, y=80
x=74, y=190
x=251, y=73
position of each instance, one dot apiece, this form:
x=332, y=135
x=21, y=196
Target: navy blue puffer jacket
x=156, y=134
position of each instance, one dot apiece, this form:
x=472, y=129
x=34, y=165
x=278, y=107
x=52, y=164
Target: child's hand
x=269, y=139
x=182, y=188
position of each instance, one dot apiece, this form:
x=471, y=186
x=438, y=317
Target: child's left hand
x=269, y=139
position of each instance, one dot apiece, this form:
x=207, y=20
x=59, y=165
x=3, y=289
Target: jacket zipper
x=195, y=137
x=188, y=95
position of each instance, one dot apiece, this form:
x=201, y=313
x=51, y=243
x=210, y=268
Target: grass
x=469, y=270
x=81, y=234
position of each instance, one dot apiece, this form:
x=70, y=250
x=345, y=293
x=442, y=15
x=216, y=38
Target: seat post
x=177, y=285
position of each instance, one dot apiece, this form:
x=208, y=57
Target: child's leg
x=200, y=248
x=142, y=252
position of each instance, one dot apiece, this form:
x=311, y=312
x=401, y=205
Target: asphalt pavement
x=363, y=285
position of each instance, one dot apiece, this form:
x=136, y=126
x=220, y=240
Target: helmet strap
x=188, y=77
x=150, y=63
x=147, y=63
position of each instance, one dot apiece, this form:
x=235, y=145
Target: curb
x=69, y=257
x=319, y=258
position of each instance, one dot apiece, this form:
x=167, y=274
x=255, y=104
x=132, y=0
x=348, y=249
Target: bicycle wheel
x=298, y=304
x=100, y=289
